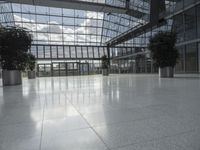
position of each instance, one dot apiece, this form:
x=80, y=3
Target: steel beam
x=155, y=21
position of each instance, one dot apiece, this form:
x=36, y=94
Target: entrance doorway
x=62, y=69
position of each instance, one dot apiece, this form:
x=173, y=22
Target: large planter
x=11, y=77
x=105, y=72
x=166, y=72
x=31, y=75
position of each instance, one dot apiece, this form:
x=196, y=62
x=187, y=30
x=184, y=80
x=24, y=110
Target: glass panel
x=188, y=2
x=85, y=53
x=47, y=52
x=67, y=52
x=180, y=64
x=73, y=52
x=54, y=51
x=179, y=5
x=96, y=52
x=42, y=19
x=55, y=11
x=190, y=24
x=60, y=52
x=41, y=69
x=42, y=10
x=40, y=52
x=105, y=51
x=62, y=69
x=198, y=20
x=178, y=26
x=47, y=70
x=101, y=52
x=34, y=50
x=90, y=52
x=191, y=58
x=55, y=69
x=199, y=55
x=79, y=53
x=70, y=69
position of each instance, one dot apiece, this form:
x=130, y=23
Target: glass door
x=63, y=69
x=84, y=69
x=56, y=69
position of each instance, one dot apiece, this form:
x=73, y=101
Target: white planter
x=166, y=72
x=31, y=75
x=105, y=72
x=11, y=77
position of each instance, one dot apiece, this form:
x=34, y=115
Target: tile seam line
x=107, y=147
x=41, y=136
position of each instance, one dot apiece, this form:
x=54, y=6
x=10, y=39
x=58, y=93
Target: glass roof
x=50, y=25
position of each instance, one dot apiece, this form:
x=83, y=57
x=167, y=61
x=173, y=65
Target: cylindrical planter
x=31, y=75
x=11, y=77
x=166, y=72
x=105, y=72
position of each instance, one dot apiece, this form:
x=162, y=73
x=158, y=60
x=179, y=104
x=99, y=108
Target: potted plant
x=164, y=52
x=31, y=66
x=105, y=65
x=14, y=45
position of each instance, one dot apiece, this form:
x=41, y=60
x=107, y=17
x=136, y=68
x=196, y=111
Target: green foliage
x=105, y=62
x=14, y=45
x=163, y=50
x=31, y=62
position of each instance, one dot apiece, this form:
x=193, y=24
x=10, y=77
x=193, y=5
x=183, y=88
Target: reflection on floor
x=119, y=112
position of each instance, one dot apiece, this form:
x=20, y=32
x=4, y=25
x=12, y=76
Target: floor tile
x=84, y=139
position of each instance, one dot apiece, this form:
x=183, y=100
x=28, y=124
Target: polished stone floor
x=119, y=112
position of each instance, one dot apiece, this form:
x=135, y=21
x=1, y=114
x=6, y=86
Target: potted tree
x=31, y=66
x=105, y=65
x=164, y=52
x=14, y=45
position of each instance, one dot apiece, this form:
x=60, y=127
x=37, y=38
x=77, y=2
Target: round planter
x=166, y=72
x=105, y=72
x=11, y=77
x=31, y=74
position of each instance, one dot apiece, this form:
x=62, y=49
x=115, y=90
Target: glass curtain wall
x=6, y=15
x=187, y=26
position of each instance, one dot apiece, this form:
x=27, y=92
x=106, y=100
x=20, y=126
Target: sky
x=54, y=24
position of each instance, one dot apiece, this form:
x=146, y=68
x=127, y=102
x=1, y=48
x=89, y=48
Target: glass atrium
x=72, y=106
x=78, y=38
